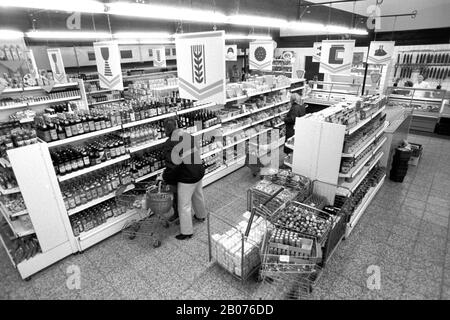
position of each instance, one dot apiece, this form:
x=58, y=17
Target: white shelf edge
x=368, y=142
x=245, y=139
x=254, y=111
x=83, y=136
x=9, y=191
x=287, y=164
x=246, y=96
x=39, y=103
x=154, y=173
x=147, y=145
x=99, y=91
x=92, y=203
x=15, y=106
x=200, y=107
x=14, y=225
x=365, y=121
x=93, y=168
x=214, y=127
x=148, y=120
x=296, y=89
x=210, y=153
x=103, y=102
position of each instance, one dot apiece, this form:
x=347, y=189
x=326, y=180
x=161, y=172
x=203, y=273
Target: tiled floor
x=404, y=232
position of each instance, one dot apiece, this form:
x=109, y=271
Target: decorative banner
x=288, y=55
x=32, y=66
x=231, y=52
x=380, y=52
x=317, y=49
x=107, y=56
x=336, y=56
x=261, y=55
x=159, y=56
x=201, y=66
x=57, y=65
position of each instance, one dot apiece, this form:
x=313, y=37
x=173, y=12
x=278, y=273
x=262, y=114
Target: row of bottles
x=200, y=119
x=95, y=216
x=143, y=134
x=11, y=53
x=70, y=159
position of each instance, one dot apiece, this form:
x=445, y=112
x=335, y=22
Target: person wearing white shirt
x=421, y=84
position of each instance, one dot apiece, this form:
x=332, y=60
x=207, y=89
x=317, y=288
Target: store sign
x=31, y=64
x=231, y=52
x=261, y=55
x=380, y=52
x=336, y=56
x=57, y=65
x=201, y=66
x=107, y=56
x=317, y=48
x=159, y=56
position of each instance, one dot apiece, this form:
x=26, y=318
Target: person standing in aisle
x=297, y=110
x=184, y=166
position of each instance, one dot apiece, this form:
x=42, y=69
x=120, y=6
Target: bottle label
x=103, y=124
x=86, y=161
x=80, y=128
x=98, y=126
x=92, y=125
x=68, y=131
x=86, y=128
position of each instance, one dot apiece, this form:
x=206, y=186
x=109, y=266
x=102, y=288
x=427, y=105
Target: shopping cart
x=235, y=245
x=152, y=200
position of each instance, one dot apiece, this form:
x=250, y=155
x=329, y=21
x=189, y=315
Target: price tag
x=284, y=258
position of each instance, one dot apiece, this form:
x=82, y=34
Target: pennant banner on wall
x=57, y=65
x=231, y=52
x=159, y=56
x=201, y=66
x=336, y=56
x=261, y=55
x=317, y=48
x=107, y=56
x=380, y=52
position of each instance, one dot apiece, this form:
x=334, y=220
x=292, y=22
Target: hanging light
x=234, y=36
x=10, y=34
x=67, y=35
x=88, y=6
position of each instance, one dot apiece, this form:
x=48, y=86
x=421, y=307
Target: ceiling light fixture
x=88, y=6
x=67, y=35
x=142, y=35
x=257, y=21
x=10, y=34
x=233, y=36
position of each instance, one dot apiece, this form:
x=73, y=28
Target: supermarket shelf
x=223, y=171
x=18, y=214
x=245, y=139
x=38, y=103
x=5, y=163
x=14, y=106
x=147, y=176
x=107, y=229
x=425, y=115
x=96, y=201
x=56, y=86
x=210, y=153
x=93, y=168
x=255, y=111
x=83, y=136
x=16, y=226
x=108, y=101
x=279, y=124
x=357, y=181
x=147, y=145
x=200, y=107
x=287, y=164
x=250, y=125
x=256, y=94
x=356, y=169
x=148, y=120
x=368, y=143
x=166, y=88
x=365, y=121
x=7, y=250
x=320, y=102
x=362, y=207
x=217, y=126
x=9, y=191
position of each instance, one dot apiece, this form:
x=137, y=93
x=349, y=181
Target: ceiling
x=430, y=13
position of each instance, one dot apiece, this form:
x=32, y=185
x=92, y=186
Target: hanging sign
x=317, y=48
x=57, y=65
x=231, y=52
x=261, y=55
x=159, y=57
x=201, y=66
x=380, y=52
x=107, y=56
x=31, y=64
x=336, y=56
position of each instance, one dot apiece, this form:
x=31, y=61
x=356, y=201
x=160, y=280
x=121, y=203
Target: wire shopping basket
x=152, y=202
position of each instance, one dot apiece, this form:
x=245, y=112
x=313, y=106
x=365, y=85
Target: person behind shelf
x=184, y=168
x=235, y=74
x=297, y=110
x=421, y=84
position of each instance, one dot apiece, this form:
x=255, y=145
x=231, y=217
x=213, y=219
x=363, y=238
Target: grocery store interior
x=322, y=150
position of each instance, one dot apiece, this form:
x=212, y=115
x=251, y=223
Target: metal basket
x=159, y=202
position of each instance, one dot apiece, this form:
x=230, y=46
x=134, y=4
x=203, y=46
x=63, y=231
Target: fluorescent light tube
x=246, y=20
x=142, y=35
x=67, y=35
x=10, y=34
x=88, y=6
x=232, y=36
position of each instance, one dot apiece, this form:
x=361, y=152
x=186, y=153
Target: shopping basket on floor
x=153, y=201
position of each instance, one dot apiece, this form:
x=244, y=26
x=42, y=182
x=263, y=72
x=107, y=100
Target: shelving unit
x=148, y=120
x=144, y=146
x=108, y=101
x=80, y=137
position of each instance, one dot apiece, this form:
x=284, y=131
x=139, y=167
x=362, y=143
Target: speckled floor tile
x=405, y=231
x=401, y=242
x=435, y=219
x=345, y=289
x=429, y=228
x=421, y=283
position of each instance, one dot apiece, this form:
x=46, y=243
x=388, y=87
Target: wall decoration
x=107, y=56
x=159, y=56
x=231, y=52
x=57, y=65
x=380, y=52
x=336, y=56
x=261, y=55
